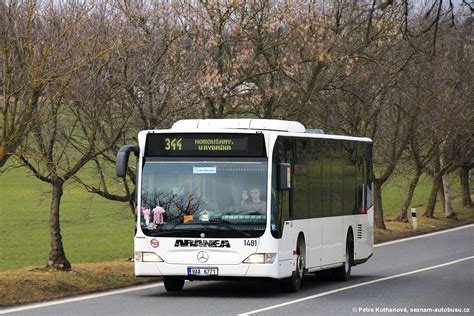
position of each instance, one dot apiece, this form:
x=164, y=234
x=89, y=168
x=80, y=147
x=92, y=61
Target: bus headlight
x=147, y=257
x=261, y=258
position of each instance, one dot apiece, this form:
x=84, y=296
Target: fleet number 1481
x=251, y=242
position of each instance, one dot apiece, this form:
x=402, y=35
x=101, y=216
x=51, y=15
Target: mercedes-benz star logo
x=202, y=256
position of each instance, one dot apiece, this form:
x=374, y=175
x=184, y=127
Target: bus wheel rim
x=299, y=266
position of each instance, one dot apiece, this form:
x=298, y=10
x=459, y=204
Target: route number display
x=201, y=145
x=173, y=144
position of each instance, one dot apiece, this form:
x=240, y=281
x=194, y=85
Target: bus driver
x=253, y=204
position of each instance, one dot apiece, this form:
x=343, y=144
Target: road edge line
x=79, y=298
x=354, y=286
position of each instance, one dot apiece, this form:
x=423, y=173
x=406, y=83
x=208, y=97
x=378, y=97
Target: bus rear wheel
x=173, y=284
x=343, y=273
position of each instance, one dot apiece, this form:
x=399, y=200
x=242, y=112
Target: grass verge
x=28, y=285
x=396, y=230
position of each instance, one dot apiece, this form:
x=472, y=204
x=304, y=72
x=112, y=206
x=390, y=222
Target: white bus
x=250, y=198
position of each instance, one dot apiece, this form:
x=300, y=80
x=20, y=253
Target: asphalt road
x=410, y=276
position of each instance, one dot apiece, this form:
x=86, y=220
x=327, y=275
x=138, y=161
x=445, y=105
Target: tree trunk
x=430, y=207
x=403, y=217
x=3, y=156
x=57, y=258
x=442, y=196
x=448, y=205
x=466, y=193
x=446, y=194
x=378, y=209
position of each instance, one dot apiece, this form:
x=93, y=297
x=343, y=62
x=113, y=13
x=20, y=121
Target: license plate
x=202, y=271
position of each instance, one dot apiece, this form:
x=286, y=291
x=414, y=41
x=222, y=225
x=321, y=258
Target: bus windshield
x=207, y=197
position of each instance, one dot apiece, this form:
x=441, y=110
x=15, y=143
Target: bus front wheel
x=293, y=283
x=173, y=284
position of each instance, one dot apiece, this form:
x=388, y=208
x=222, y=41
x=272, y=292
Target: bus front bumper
x=242, y=270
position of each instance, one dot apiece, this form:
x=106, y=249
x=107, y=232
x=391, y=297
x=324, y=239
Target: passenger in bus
x=253, y=204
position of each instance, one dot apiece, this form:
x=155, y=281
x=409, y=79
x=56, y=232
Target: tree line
x=81, y=78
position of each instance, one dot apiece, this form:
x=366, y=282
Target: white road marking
x=353, y=286
x=80, y=298
x=422, y=236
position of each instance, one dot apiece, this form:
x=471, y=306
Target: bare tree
x=156, y=66
x=363, y=96
x=33, y=54
x=81, y=123
x=150, y=80
x=451, y=120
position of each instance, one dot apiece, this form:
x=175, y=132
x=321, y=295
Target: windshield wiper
x=215, y=225
x=173, y=231
x=225, y=223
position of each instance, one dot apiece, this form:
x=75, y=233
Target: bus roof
x=284, y=128
x=255, y=124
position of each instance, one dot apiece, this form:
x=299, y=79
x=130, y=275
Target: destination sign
x=202, y=144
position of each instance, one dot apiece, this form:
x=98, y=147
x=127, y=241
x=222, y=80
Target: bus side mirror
x=122, y=159
x=284, y=176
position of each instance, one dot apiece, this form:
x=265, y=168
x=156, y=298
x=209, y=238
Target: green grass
x=93, y=228
x=394, y=194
